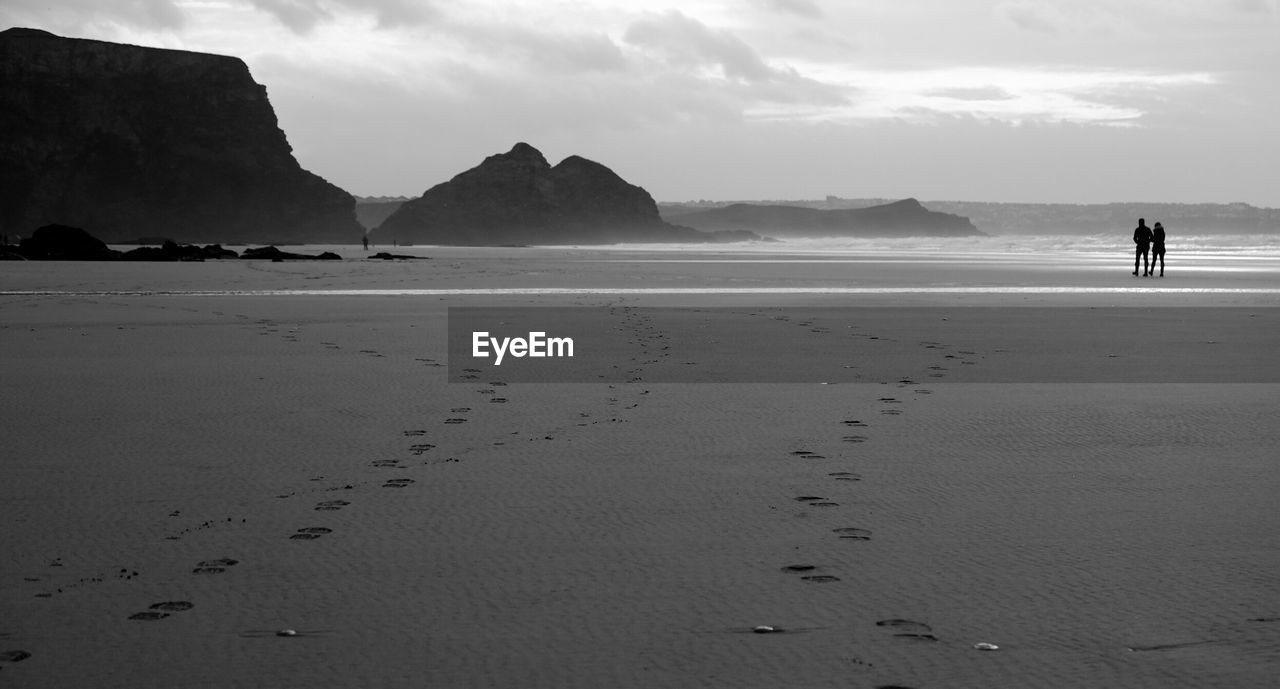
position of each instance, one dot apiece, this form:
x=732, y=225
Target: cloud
x=1007, y=95
x=299, y=16
x=303, y=16
x=1265, y=7
x=717, y=59
x=801, y=8
x=972, y=93
x=1032, y=16
x=688, y=43
x=76, y=14
x=519, y=49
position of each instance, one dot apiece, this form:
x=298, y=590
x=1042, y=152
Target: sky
x=1046, y=101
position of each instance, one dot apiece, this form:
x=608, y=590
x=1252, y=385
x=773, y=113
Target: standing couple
x=1150, y=240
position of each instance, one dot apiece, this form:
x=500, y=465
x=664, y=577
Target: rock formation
x=171, y=251
x=904, y=218
x=132, y=142
x=64, y=243
x=273, y=254
x=519, y=198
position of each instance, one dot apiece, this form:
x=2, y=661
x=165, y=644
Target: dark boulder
x=171, y=251
x=396, y=257
x=65, y=243
x=271, y=253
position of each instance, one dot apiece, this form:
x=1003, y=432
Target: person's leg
x=1137, y=258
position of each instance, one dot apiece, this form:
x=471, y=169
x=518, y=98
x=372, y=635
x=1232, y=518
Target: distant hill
x=519, y=198
x=370, y=213
x=132, y=142
x=904, y=218
x=1120, y=218
x=1052, y=218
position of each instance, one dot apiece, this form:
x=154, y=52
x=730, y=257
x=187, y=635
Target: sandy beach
x=200, y=456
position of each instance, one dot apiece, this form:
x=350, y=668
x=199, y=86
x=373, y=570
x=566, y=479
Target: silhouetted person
x=1142, y=237
x=365, y=240
x=1157, y=248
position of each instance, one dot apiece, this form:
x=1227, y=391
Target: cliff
x=519, y=198
x=132, y=142
x=906, y=218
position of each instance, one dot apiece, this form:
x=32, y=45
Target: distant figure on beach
x=1142, y=237
x=1157, y=248
x=365, y=241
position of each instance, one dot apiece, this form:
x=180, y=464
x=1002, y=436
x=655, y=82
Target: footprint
x=331, y=505
x=385, y=463
x=853, y=533
x=853, y=422
x=421, y=448
x=310, y=533
x=824, y=503
x=845, y=476
x=455, y=420
x=799, y=568
x=855, y=439
x=460, y=410
x=498, y=400
x=415, y=432
x=808, y=498
x=397, y=483
x=214, y=566
x=159, y=611
x=909, y=629
x=891, y=412
x=13, y=656
x=173, y=606
x=821, y=578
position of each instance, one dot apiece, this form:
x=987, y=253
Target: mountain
x=519, y=198
x=897, y=219
x=132, y=142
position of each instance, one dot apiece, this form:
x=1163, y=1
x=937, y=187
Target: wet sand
x=187, y=475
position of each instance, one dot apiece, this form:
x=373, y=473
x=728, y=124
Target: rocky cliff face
x=519, y=198
x=134, y=142
x=897, y=219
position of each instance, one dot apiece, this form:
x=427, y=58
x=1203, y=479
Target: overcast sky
x=1013, y=100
